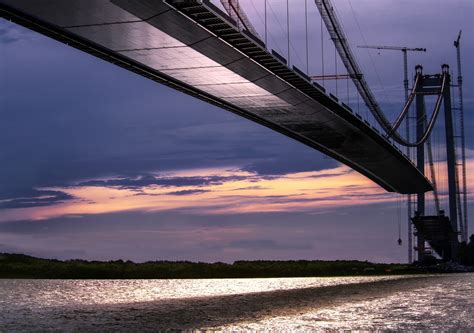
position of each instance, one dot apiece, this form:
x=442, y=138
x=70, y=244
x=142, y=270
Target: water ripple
x=443, y=302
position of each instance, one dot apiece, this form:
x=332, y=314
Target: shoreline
x=19, y=266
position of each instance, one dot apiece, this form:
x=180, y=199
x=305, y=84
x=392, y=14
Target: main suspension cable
x=432, y=169
x=340, y=41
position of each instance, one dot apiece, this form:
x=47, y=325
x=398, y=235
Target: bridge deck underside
x=196, y=48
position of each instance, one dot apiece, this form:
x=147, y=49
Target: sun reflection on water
x=443, y=302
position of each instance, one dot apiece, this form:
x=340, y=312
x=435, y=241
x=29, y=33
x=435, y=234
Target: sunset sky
x=100, y=163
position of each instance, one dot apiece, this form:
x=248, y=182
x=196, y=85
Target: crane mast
x=457, y=45
x=405, y=50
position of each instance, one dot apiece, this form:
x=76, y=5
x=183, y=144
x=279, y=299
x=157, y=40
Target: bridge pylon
x=440, y=231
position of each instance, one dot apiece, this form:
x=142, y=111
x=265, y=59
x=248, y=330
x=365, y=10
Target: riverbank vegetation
x=23, y=266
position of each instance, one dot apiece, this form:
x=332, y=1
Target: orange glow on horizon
x=242, y=192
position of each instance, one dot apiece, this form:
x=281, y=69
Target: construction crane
x=405, y=59
x=405, y=51
x=457, y=45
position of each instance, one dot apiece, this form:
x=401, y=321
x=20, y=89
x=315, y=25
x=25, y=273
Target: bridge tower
x=440, y=231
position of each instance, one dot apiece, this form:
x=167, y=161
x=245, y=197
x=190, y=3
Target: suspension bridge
x=211, y=50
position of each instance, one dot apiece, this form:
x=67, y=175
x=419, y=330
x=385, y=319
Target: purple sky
x=99, y=163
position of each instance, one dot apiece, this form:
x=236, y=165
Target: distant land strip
x=23, y=266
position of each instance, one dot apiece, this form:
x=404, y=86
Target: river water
x=441, y=302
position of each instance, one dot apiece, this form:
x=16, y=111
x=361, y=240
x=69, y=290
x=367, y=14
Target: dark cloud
x=6, y=36
x=142, y=181
x=186, y=192
x=10, y=33
x=178, y=193
x=36, y=198
x=329, y=175
x=257, y=187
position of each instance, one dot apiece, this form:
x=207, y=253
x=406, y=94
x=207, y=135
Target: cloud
x=8, y=36
x=36, y=198
x=142, y=181
x=186, y=192
x=11, y=34
x=207, y=192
